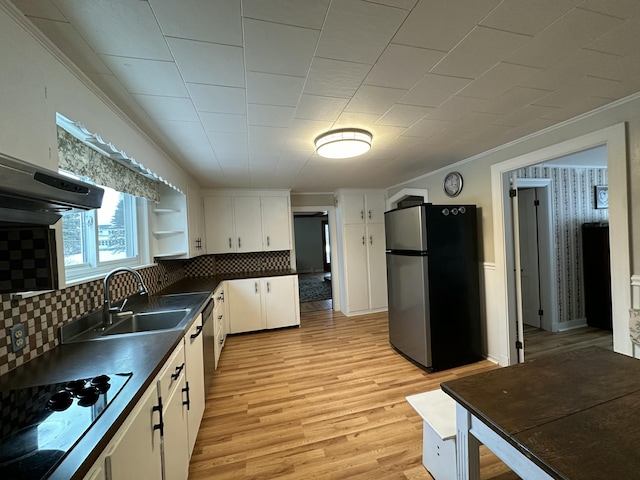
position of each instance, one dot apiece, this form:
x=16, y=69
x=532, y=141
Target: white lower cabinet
x=219, y=321
x=194, y=358
x=153, y=443
x=262, y=303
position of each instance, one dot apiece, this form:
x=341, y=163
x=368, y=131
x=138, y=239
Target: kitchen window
x=97, y=241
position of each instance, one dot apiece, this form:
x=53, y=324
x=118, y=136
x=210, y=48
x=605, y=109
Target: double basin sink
x=147, y=315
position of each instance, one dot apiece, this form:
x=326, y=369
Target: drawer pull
x=186, y=402
x=176, y=375
x=198, y=332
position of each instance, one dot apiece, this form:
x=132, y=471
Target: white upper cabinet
x=276, y=223
x=363, y=208
x=195, y=215
x=247, y=222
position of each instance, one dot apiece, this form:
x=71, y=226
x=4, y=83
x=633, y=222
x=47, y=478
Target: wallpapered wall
x=44, y=314
x=572, y=205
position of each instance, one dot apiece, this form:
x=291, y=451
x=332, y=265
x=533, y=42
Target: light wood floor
x=539, y=342
x=323, y=401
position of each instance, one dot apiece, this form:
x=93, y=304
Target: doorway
x=313, y=260
x=506, y=328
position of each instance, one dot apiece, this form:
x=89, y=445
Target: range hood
x=35, y=195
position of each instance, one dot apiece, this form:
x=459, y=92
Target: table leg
x=467, y=447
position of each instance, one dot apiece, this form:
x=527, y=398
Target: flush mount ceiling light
x=343, y=143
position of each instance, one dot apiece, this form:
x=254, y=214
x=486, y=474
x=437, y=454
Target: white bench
x=438, y=410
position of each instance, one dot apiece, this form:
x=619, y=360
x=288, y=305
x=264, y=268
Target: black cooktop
x=40, y=424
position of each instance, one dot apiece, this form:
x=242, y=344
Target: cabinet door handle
x=268, y=287
x=239, y=243
x=364, y=242
x=160, y=424
x=369, y=214
x=256, y=285
x=219, y=317
x=221, y=341
x=176, y=374
x=268, y=242
x=229, y=242
x=370, y=239
x=361, y=214
x=198, y=332
x=187, y=402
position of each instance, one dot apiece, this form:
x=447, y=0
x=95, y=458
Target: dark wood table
x=573, y=415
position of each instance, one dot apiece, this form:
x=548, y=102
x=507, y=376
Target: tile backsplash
x=44, y=314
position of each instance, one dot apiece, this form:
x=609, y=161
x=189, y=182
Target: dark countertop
x=574, y=414
x=201, y=284
x=142, y=354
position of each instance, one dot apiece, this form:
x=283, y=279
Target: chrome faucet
x=108, y=310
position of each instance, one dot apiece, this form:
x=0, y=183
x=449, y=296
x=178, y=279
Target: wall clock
x=452, y=184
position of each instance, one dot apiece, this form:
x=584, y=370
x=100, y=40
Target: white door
x=353, y=208
x=244, y=300
x=377, y=265
x=194, y=358
x=356, y=269
x=218, y=220
x=175, y=439
x=529, y=266
x=280, y=301
x=276, y=223
x=375, y=208
x=248, y=224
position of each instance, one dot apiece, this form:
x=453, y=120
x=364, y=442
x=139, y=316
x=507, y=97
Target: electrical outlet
x=18, y=337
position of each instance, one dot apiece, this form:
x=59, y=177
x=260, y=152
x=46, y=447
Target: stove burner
x=60, y=401
x=87, y=396
x=100, y=380
x=74, y=385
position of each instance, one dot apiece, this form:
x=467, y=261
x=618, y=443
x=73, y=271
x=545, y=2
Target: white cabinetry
x=220, y=321
x=362, y=248
x=195, y=210
x=263, y=303
x=247, y=222
x=194, y=358
x=169, y=224
x=153, y=442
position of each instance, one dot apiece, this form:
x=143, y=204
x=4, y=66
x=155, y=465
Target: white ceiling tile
x=67, y=39
x=404, y=4
x=429, y=25
x=168, y=108
x=151, y=77
x=209, y=21
x=456, y=107
x=525, y=16
x=582, y=89
x=356, y=120
x=401, y=66
x=229, y=145
x=499, y=79
x=515, y=99
x=303, y=132
x=335, y=78
x=370, y=99
x=223, y=122
x=478, y=52
x=302, y=13
x=270, y=89
x=432, y=90
x=523, y=115
x=40, y=9
x=269, y=139
x=382, y=135
x=270, y=115
x=211, y=98
x=622, y=41
x=358, y=31
x=201, y=62
x=315, y=107
x=616, y=8
x=576, y=29
x=403, y=115
x=275, y=48
x=118, y=27
x=425, y=128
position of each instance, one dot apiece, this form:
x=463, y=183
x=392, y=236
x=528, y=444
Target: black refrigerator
x=433, y=284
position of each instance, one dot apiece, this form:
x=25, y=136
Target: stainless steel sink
x=149, y=321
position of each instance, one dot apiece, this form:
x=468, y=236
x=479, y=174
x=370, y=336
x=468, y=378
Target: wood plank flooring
x=323, y=401
x=539, y=342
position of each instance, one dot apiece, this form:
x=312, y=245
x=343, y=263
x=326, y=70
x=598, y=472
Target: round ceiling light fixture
x=343, y=143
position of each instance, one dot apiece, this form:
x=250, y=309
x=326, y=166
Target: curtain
x=82, y=160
